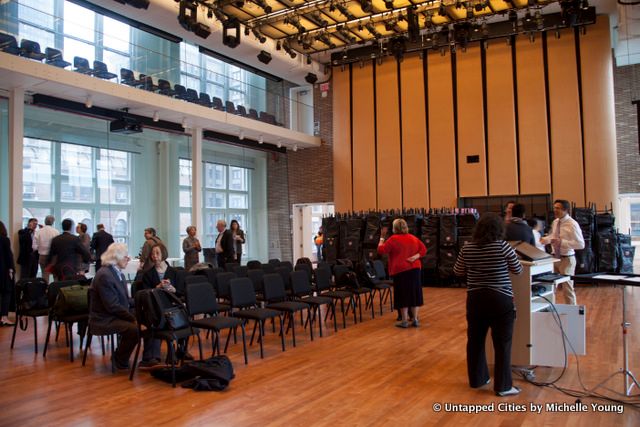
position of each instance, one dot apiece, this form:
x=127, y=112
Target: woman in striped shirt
x=486, y=262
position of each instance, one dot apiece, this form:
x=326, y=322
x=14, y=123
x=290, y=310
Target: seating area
x=216, y=301
x=31, y=50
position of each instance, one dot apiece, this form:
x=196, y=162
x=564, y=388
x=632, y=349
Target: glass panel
x=115, y=61
x=77, y=48
x=215, y=90
x=79, y=22
x=214, y=70
x=215, y=176
x=39, y=213
x=79, y=216
x=117, y=223
x=190, y=58
x=185, y=221
x=116, y=34
x=113, y=165
x=76, y=168
x=37, y=170
x=238, y=178
x=190, y=82
x=185, y=172
x=118, y=194
x=42, y=15
x=214, y=199
x=44, y=38
x=210, y=228
x=185, y=198
x=238, y=201
x=635, y=219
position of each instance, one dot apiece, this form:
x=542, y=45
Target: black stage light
x=263, y=4
x=311, y=78
x=201, y=30
x=388, y=4
x=278, y=45
x=138, y=4
x=479, y=7
x=231, y=33
x=366, y=6
x=264, y=57
x=187, y=14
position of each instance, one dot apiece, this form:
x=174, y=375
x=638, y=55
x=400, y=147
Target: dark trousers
x=5, y=298
x=489, y=309
x=30, y=269
x=222, y=263
x=238, y=258
x=128, y=339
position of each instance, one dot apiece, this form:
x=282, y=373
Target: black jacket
x=6, y=263
x=25, y=240
x=151, y=279
x=518, y=229
x=109, y=301
x=100, y=242
x=66, y=251
x=226, y=242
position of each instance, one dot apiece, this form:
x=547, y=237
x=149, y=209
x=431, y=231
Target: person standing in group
x=85, y=240
x=238, y=240
x=405, y=251
x=536, y=229
x=100, y=241
x=42, y=244
x=28, y=257
x=191, y=248
x=224, y=244
x=565, y=238
x=150, y=240
x=319, y=241
x=67, y=253
x=486, y=262
x=508, y=213
x=110, y=306
x=7, y=275
x=517, y=229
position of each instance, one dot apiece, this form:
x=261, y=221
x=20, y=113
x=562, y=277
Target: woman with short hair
x=405, y=251
x=191, y=248
x=486, y=262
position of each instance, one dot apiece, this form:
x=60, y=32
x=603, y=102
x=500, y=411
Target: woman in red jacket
x=405, y=251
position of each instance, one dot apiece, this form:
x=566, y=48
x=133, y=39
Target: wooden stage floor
x=367, y=375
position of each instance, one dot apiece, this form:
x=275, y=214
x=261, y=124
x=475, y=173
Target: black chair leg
x=335, y=321
x=86, y=348
x=172, y=356
x=311, y=321
x=260, y=332
x=135, y=358
x=102, y=343
x=199, y=346
x=70, y=329
x=292, y=323
x=46, y=341
x=113, y=350
x=344, y=318
x=35, y=334
x=244, y=345
x=15, y=329
x=282, y=330
x=253, y=334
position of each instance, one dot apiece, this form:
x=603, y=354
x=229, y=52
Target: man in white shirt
x=565, y=237
x=42, y=243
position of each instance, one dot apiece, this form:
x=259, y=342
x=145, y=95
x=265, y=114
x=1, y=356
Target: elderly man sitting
x=109, y=312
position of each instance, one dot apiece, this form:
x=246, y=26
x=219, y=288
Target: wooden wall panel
x=442, y=158
x=388, y=136
x=502, y=154
x=535, y=169
x=364, y=151
x=472, y=176
x=414, y=134
x=598, y=107
x=566, y=132
x=342, y=195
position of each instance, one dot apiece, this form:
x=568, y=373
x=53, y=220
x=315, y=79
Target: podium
x=537, y=337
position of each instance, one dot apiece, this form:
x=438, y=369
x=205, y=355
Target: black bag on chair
x=174, y=314
x=32, y=294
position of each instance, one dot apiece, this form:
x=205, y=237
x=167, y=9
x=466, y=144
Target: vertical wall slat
x=363, y=129
x=414, y=134
x=473, y=176
x=341, y=140
x=442, y=173
x=598, y=106
x=388, y=135
x=501, y=121
x=566, y=132
x=535, y=168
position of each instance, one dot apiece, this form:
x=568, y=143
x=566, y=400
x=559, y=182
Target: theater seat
x=54, y=57
x=30, y=49
x=9, y=44
x=217, y=103
x=128, y=78
x=81, y=65
x=100, y=70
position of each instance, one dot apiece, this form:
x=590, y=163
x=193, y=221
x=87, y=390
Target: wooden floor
x=369, y=374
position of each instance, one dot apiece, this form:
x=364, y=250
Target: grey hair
x=49, y=220
x=115, y=252
x=222, y=221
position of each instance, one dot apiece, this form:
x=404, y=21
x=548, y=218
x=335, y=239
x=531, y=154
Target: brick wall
x=305, y=176
x=627, y=89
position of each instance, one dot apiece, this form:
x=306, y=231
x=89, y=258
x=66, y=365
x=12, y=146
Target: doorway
x=307, y=219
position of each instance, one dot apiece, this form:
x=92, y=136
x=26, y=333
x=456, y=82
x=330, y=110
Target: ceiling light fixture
x=156, y=116
x=88, y=102
x=184, y=123
x=241, y=135
x=261, y=140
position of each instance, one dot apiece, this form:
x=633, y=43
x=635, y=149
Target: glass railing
x=146, y=61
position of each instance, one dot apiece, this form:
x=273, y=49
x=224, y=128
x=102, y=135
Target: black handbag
x=176, y=318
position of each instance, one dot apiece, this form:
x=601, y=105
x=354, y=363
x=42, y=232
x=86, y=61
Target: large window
x=226, y=195
x=206, y=74
x=635, y=219
x=89, y=185
x=81, y=32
